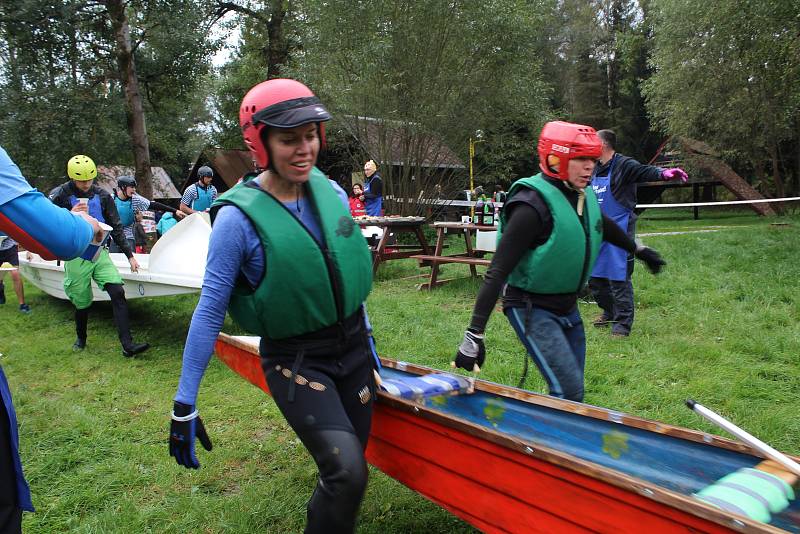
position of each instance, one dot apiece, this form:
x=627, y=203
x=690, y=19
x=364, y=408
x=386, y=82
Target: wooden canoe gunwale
x=513, y=448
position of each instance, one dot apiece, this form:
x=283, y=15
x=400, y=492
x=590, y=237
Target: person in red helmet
x=287, y=261
x=550, y=232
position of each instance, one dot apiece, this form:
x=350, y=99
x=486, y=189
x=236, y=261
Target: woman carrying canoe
x=550, y=232
x=288, y=262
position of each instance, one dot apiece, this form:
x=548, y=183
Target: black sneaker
x=79, y=345
x=24, y=308
x=620, y=332
x=134, y=349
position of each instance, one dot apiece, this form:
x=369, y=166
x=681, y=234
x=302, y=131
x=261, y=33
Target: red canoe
x=507, y=460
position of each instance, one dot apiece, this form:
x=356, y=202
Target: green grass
x=719, y=325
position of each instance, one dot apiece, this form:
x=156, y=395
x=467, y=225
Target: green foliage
x=727, y=73
x=423, y=66
x=60, y=91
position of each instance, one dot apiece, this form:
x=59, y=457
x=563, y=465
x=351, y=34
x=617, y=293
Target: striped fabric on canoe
x=415, y=388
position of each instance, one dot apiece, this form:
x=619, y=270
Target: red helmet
x=566, y=141
x=280, y=103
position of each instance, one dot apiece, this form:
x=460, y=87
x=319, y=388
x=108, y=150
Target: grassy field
x=719, y=325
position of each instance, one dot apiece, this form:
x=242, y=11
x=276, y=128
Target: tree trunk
x=277, y=49
x=134, y=111
x=780, y=190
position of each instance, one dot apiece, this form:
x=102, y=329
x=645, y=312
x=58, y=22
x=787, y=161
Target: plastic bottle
x=478, y=213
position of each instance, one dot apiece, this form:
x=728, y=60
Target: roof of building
x=162, y=184
x=228, y=166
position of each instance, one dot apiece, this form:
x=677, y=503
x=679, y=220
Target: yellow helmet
x=81, y=168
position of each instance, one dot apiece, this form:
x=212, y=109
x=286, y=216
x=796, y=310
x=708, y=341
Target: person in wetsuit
x=287, y=261
x=200, y=195
x=129, y=205
x=550, y=232
x=80, y=194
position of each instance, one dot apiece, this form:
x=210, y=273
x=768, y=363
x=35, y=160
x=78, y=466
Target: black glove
x=471, y=353
x=182, y=434
x=651, y=258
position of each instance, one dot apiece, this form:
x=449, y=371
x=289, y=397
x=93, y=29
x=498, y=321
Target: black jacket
x=627, y=174
x=60, y=197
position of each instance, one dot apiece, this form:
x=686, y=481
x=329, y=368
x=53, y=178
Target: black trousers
x=119, y=308
x=325, y=389
x=10, y=512
x=615, y=298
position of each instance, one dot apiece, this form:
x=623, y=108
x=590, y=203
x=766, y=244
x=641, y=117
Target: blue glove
x=471, y=353
x=185, y=427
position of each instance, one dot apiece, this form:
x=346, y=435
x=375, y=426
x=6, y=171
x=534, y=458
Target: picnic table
x=472, y=257
x=382, y=251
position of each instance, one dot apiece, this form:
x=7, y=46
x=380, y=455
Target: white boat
x=175, y=266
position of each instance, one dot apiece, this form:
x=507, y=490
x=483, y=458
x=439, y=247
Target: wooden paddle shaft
x=754, y=442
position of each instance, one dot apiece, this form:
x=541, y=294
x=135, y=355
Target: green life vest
x=564, y=262
x=307, y=285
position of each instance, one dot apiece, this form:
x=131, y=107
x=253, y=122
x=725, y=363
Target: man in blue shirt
x=200, y=195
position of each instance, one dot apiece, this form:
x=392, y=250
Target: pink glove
x=675, y=174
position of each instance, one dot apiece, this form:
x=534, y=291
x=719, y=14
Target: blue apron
x=125, y=210
x=203, y=200
x=95, y=208
x=373, y=206
x=23, y=491
x=612, y=261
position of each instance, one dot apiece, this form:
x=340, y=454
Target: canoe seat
x=419, y=387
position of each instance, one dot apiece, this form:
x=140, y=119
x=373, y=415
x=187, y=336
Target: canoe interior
x=594, y=447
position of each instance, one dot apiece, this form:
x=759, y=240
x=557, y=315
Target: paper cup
x=92, y=252
x=83, y=201
x=465, y=219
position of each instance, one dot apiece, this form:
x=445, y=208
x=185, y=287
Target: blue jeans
x=557, y=345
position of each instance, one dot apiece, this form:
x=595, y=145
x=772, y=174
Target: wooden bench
x=436, y=261
x=452, y=259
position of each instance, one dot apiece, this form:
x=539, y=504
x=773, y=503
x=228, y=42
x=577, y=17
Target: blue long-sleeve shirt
x=234, y=247
x=30, y=218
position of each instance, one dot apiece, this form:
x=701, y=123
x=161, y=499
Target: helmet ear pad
x=553, y=162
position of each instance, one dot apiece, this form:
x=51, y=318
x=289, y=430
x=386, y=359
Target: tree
x=73, y=79
x=269, y=40
x=728, y=73
x=134, y=112
x=424, y=73
x=596, y=63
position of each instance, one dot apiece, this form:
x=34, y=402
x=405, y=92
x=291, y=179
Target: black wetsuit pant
x=10, y=512
x=119, y=308
x=324, y=386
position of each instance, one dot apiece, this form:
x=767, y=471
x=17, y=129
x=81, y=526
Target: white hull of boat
x=175, y=266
